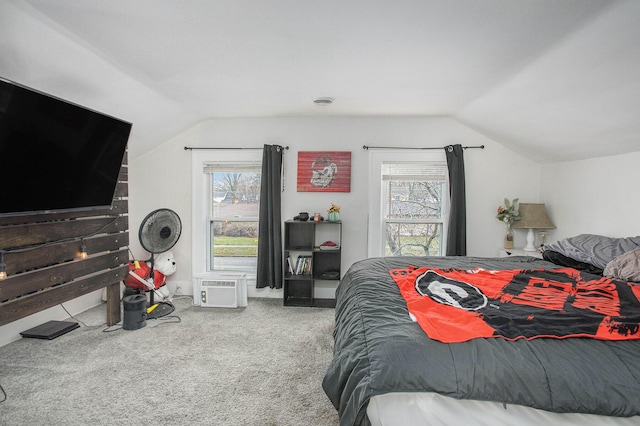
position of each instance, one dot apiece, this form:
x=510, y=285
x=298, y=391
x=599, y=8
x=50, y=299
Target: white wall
x=162, y=178
x=596, y=196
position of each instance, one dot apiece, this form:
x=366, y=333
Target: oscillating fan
x=159, y=232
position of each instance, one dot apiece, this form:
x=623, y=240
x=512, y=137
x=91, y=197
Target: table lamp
x=534, y=216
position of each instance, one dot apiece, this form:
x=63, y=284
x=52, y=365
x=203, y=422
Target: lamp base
x=530, y=240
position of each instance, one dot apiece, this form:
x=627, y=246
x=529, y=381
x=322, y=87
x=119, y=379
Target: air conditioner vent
x=219, y=283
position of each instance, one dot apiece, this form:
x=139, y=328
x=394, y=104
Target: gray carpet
x=259, y=365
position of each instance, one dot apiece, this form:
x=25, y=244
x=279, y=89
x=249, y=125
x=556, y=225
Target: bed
x=387, y=371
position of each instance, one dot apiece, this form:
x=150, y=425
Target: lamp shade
x=534, y=216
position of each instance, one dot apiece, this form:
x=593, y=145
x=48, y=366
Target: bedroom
x=553, y=132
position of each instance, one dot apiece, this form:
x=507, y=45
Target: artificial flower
x=509, y=213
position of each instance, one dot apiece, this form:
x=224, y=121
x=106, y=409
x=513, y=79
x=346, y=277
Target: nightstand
x=518, y=252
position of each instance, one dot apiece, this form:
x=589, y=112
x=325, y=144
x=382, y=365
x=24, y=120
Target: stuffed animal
x=164, y=264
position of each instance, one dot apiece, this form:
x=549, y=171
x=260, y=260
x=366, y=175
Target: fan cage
x=160, y=230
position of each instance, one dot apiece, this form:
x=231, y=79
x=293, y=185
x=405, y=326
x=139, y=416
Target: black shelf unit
x=302, y=239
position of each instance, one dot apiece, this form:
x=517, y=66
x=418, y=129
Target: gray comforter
x=378, y=349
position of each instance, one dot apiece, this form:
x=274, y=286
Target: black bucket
x=135, y=311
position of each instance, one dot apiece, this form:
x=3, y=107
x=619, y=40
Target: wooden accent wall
x=41, y=257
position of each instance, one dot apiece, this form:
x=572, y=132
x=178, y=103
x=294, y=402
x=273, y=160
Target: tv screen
x=56, y=155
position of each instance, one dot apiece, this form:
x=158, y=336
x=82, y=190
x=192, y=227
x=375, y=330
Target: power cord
x=4, y=398
x=165, y=320
x=71, y=316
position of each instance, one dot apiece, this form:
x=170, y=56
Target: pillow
x=562, y=260
x=594, y=249
x=625, y=267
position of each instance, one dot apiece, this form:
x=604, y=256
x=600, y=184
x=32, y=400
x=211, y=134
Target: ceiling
x=554, y=80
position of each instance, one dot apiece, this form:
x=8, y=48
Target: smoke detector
x=323, y=101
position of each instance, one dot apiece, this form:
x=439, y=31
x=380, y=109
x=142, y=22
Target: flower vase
x=333, y=216
x=508, y=237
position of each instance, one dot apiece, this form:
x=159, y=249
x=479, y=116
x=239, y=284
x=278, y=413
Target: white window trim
x=199, y=207
x=375, y=246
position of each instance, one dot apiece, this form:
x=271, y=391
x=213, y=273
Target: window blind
x=232, y=167
x=422, y=171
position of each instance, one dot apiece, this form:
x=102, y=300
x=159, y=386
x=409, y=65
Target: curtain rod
x=400, y=147
x=192, y=148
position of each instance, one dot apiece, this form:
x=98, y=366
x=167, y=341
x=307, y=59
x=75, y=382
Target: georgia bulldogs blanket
x=455, y=305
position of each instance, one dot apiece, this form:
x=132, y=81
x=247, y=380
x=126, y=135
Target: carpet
x=259, y=365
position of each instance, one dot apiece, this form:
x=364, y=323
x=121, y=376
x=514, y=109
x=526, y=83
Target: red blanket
x=458, y=305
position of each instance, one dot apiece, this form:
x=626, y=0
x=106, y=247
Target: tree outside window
x=414, y=208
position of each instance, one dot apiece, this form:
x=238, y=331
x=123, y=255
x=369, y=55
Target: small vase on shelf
x=508, y=237
x=333, y=214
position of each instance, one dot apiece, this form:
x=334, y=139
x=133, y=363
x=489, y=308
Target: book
x=303, y=265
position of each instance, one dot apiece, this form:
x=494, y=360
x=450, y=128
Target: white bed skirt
x=421, y=409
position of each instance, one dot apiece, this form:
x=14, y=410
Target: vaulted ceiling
x=552, y=79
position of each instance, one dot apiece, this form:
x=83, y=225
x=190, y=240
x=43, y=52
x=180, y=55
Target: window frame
x=221, y=167
x=377, y=204
x=201, y=204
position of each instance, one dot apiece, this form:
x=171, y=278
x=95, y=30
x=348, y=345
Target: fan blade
x=160, y=230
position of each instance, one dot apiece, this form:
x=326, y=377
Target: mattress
x=432, y=409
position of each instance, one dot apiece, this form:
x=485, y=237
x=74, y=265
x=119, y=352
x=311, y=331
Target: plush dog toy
x=164, y=264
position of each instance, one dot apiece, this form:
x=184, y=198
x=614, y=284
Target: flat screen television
x=56, y=155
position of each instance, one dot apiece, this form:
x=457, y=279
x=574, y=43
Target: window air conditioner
x=222, y=291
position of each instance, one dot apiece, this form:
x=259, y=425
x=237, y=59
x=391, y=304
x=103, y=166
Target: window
x=233, y=201
x=412, y=200
x=413, y=208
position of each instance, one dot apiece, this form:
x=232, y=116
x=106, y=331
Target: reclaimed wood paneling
x=41, y=253
x=32, y=303
x=59, y=274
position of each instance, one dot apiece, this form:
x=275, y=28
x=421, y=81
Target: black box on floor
x=50, y=330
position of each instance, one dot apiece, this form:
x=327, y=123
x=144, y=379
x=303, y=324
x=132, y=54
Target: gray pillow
x=594, y=249
x=625, y=267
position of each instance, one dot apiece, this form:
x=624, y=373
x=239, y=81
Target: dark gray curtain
x=269, y=272
x=457, y=235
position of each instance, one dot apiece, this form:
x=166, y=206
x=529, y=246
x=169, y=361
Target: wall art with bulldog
x=324, y=171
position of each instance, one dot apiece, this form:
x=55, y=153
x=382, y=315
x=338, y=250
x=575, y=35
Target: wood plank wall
x=41, y=253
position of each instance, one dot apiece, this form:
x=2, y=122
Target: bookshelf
x=308, y=261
